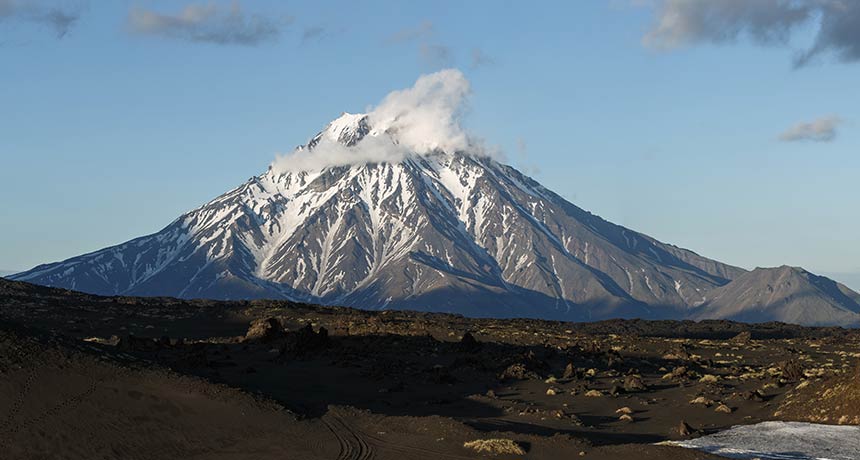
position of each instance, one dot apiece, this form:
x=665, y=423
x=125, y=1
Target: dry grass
x=709, y=378
x=495, y=446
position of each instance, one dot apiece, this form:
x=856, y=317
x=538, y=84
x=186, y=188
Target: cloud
x=426, y=117
x=313, y=33
x=421, y=31
x=766, y=22
x=59, y=19
x=414, y=121
x=839, y=33
x=329, y=153
x=435, y=55
x=820, y=130
x=209, y=23
x=480, y=59
x=683, y=22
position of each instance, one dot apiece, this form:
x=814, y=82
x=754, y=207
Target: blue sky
x=116, y=122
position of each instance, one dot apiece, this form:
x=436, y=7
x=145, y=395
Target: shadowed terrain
x=99, y=377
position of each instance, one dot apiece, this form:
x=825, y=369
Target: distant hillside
x=852, y=280
x=787, y=294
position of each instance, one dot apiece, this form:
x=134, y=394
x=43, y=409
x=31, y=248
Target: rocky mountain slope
x=787, y=294
x=400, y=208
x=440, y=231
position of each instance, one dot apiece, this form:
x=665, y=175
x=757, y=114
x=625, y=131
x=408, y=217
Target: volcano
x=399, y=208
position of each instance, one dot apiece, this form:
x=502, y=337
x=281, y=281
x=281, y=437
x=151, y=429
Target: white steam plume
x=415, y=121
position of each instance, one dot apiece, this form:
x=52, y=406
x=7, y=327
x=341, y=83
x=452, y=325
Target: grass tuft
x=495, y=446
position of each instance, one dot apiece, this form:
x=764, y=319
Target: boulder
x=264, y=330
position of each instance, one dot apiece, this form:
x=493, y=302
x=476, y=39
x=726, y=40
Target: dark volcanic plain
x=88, y=377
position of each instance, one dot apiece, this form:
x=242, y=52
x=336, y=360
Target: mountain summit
x=399, y=208
x=441, y=231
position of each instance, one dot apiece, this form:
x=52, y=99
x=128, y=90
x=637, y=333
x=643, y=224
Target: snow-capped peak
x=420, y=120
x=347, y=129
x=398, y=208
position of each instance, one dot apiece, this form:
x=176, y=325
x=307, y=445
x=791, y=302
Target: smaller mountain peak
x=348, y=128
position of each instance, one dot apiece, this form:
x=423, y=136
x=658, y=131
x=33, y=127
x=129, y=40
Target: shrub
x=495, y=446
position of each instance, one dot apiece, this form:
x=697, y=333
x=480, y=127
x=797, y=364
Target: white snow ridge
x=782, y=441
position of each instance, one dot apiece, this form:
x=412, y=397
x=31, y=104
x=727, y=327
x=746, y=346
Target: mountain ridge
x=787, y=294
x=400, y=208
x=418, y=233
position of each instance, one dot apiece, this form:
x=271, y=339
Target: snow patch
x=781, y=441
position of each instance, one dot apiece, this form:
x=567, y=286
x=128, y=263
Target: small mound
x=742, y=338
x=495, y=447
x=835, y=401
x=264, y=330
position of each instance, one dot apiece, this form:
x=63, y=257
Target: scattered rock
x=754, y=395
x=569, y=372
x=264, y=330
x=305, y=340
x=722, y=408
x=742, y=338
x=518, y=371
x=593, y=393
x=634, y=383
x=613, y=359
x=469, y=344
x=677, y=373
x=625, y=418
x=678, y=353
x=703, y=401
x=624, y=410
x=684, y=429
x=562, y=414
x=791, y=371
x=709, y=378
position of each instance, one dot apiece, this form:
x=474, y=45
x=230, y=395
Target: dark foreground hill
x=83, y=376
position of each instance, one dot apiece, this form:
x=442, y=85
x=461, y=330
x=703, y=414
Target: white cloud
x=329, y=153
x=415, y=121
x=820, y=130
x=426, y=117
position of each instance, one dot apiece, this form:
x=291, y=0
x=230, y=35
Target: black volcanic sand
x=92, y=377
